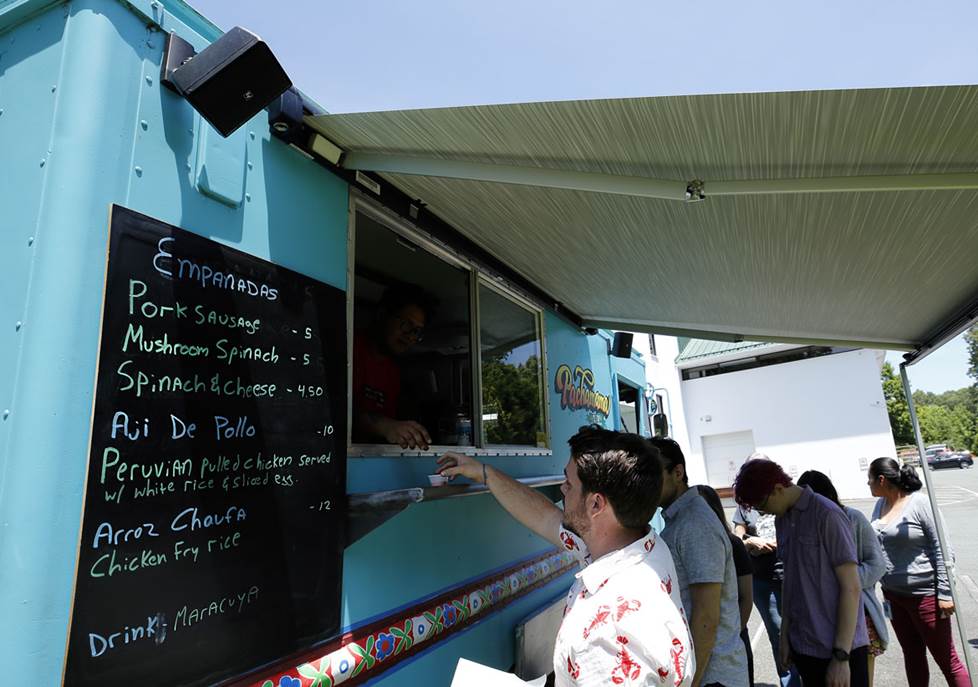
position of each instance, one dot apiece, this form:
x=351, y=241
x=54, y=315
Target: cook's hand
x=406, y=433
x=945, y=608
x=454, y=464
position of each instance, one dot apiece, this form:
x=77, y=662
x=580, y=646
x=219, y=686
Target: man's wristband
x=840, y=655
x=485, y=475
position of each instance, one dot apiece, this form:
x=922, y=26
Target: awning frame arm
x=667, y=189
x=941, y=534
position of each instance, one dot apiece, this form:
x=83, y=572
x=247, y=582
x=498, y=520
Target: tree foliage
x=971, y=341
x=954, y=426
x=946, y=418
x=948, y=399
x=896, y=406
x=512, y=394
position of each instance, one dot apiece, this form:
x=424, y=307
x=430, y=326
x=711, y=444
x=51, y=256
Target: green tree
x=971, y=340
x=936, y=424
x=896, y=406
x=949, y=399
x=512, y=394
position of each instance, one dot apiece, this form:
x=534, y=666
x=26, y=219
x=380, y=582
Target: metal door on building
x=723, y=455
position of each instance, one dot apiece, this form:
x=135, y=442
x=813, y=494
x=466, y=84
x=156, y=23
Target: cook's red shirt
x=376, y=379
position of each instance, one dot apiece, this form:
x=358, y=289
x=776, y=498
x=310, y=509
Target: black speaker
x=228, y=82
x=622, y=346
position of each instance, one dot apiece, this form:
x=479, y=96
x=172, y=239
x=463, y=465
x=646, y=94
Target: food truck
x=214, y=289
x=188, y=496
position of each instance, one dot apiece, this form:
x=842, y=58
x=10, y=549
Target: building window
x=629, y=408
x=652, y=346
x=416, y=309
x=512, y=374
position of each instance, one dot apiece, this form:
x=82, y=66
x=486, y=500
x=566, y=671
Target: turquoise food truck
x=187, y=493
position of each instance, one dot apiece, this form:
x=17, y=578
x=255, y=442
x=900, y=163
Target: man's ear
x=597, y=503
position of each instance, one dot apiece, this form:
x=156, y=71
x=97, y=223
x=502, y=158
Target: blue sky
x=944, y=369
x=363, y=55
x=391, y=54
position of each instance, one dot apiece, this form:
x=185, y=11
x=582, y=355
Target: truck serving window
x=416, y=309
x=411, y=344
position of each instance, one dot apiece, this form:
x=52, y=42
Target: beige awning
x=829, y=216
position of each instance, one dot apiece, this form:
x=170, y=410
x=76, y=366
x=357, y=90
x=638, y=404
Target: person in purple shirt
x=823, y=628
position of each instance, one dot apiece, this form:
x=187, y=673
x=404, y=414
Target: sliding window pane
x=512, y=372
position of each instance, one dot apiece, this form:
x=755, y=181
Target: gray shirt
x=914, y=563
x=872, y=566
x=701, y=551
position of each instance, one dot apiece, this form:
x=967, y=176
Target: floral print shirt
x=624, y=622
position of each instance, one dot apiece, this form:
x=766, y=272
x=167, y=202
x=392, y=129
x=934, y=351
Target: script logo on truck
x=576, y=389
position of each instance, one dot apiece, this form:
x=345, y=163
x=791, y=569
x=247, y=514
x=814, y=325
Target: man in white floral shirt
x=624, y=622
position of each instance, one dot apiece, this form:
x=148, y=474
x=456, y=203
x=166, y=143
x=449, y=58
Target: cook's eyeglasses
x=412, y=330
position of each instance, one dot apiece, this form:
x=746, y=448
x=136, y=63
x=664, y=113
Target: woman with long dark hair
x=871, y=563
x=916, y=584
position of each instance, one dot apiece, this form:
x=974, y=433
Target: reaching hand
x=453, y=464
x=406, y=433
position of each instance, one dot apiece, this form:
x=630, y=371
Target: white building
x=806, y=407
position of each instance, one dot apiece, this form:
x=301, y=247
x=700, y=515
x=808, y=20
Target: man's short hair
x=672, y=454
x=624, y=468
x=756, y=480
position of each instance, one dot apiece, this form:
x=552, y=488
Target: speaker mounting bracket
x=176, y=53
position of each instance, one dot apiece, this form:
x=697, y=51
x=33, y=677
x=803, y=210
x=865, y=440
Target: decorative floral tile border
x=373, y=649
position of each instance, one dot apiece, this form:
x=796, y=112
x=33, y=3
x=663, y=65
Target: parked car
x=950, y=459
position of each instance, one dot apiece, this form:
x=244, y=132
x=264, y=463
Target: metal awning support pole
x=941, y=535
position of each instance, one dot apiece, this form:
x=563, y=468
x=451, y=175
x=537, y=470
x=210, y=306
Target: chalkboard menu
x=212, y=538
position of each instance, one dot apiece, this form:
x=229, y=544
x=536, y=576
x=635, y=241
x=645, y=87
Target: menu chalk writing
x=212, y=536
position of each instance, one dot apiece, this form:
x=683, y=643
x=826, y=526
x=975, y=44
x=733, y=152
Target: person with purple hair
x=823, y=628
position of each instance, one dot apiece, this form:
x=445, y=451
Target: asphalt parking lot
x=957, y=495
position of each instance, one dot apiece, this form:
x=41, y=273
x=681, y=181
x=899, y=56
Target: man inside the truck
x=397, y=328
x=624, y=621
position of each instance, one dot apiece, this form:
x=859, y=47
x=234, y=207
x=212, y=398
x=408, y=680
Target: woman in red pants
x=916, y=584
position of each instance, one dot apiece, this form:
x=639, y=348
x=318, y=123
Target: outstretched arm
x=531, y=508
